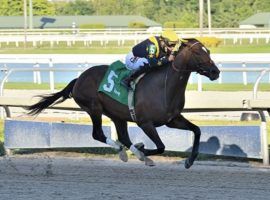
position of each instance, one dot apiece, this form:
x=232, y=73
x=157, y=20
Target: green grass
x=229, y=87
x=62, y=48
x=241, y=49
x=206, y=86
x=245, y=47
x=32, y=86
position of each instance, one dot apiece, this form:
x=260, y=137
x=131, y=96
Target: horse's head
x=196, y=57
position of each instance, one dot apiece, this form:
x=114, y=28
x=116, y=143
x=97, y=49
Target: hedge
x=174, y=24
x=92, y=26
x=136, y=25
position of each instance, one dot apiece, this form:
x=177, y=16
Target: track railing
x=8, y=71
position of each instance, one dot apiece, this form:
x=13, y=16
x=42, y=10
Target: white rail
x=51, y=69
x=121, y=36
x=83, y=61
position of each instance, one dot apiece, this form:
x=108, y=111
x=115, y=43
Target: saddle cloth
x=110, y=84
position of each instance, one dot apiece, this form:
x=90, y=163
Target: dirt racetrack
x=44, y=177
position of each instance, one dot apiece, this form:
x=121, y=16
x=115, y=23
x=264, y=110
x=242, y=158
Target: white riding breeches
x=133, y=63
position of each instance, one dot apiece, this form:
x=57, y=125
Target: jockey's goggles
x=170, y=43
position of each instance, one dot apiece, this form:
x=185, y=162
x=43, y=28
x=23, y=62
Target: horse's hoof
x=123, y=155
x=188, y=164
x=149, y=162
x=141, y=156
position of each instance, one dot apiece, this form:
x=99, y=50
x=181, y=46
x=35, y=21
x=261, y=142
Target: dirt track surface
x=44, y=177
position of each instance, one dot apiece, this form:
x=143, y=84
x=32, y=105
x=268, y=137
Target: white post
x=37, y=77
x=209, y=17
x=199, y=83
x=34, y=74
x=51, y=76
x=244, y=74
x=201, y=17
x=73, y=28
x=251, y=40
x=25, y=21
x=190, y=80
x=220, y=74
x=5, y=72
x=264, y=140
x=30, y=14
x=79, y=72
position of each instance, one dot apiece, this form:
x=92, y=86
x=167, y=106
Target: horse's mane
x=185, y=41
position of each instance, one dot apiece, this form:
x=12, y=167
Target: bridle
x=198, y=64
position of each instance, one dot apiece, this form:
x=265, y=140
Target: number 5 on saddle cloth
x=110, y=85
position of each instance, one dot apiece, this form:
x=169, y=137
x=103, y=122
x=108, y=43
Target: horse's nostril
x=214, y=71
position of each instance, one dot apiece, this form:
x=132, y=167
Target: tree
x=225, y=13
x=15, y=7
x=77, y=8
x=11, y=8
x=43, y=7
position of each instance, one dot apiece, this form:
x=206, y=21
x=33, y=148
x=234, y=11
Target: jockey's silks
x=151, y=50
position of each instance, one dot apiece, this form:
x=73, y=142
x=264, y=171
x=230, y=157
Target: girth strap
x=131, y=98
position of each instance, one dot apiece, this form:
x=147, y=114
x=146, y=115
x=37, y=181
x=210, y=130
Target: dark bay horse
x=159, y=100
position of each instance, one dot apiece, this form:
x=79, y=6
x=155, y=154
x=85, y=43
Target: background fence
x=240, y=65
x=121, y=36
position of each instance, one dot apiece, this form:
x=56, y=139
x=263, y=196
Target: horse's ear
x=184, y=42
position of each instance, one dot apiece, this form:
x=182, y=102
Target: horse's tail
x=51, y=99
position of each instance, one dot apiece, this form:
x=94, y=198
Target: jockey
x=152, y=52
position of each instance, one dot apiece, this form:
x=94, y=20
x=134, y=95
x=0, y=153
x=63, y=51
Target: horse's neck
x=176, y=87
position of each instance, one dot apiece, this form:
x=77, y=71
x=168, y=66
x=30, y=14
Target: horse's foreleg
x=123, y=137
x=182, y=123
x=150, y=130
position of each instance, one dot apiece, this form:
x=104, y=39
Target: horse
x=159, y=100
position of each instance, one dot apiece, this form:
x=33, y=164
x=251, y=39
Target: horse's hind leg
x=123, y=138
x=98, y=133
x=182, y=123
x=95, y=111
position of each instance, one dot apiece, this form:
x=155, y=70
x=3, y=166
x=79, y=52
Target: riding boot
x=133, y=75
